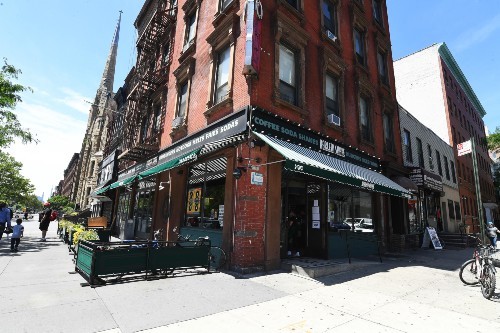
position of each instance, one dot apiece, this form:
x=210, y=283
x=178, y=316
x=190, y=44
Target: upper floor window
x=429, y=152
x=288, y=75
x=359, y=46
x=438, y=161
x=407, y=146
x=223, y=4
x=388, y=133
x=156, y=117
x=222, y=79
x=453, y=176
x=377, y=11
x=382, y=66
x=182, y=100
x=331, y=99
x=446, y=168
x=190, y=29
x=420, y=153
x=329, y=17
x=365, y=119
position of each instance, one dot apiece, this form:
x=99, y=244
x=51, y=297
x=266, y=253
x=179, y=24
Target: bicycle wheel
x=468, y=272
x=488, y=282
x=217, y=257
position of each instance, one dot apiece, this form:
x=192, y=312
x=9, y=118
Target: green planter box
x=98, y=260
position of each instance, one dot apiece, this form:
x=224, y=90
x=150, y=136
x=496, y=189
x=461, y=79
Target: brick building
x=69, y=182
x=431, y=85
x=268, y=125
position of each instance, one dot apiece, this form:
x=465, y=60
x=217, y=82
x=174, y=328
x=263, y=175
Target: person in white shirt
x=17, y=233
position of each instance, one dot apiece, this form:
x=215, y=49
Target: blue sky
x=62, y=45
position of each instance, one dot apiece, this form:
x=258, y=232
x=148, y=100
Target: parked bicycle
x=480, y=269
x=216, y=256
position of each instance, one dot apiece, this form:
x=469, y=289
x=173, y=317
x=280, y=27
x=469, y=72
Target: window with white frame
x=331, y=98
x=288, y=74
x=222, y=75
x=182, y=100
x=365, y=119
x=190, y=30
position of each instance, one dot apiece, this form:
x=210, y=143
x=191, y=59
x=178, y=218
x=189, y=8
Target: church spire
x=108, y=75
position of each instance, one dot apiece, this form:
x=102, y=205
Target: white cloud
x=74, y=100
x=60, y=136
x=478, y=34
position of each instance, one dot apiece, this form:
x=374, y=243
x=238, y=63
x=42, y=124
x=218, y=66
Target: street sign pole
x=478, y=190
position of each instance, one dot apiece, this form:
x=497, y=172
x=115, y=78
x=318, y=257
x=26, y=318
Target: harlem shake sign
x=276, y=127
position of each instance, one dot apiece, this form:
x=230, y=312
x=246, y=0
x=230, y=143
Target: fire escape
x=144, y=120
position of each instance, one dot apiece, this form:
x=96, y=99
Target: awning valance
x=124, y=182
x=191, y=156
x=307, y=161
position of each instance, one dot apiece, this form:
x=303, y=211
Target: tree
x=58, y=202
x=31, y=202
x=494, y=140
x=14, y=187
x=10, y=127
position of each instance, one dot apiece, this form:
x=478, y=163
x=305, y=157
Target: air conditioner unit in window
x=333, y=119
x=331, y=35
x=177, y=122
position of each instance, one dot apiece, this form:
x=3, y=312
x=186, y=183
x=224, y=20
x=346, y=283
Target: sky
x=61, y=46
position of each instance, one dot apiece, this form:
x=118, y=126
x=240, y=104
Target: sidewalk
x=417, y=291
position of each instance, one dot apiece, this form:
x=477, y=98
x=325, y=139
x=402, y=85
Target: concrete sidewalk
x=417, y=291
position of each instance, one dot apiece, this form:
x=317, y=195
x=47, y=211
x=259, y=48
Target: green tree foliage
x=60, y=202
x=31, y=202
x=10, y=127
x=14, y=188
x=494, y=140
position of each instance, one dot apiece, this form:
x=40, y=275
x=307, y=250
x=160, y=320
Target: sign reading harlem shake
x=277, y=127
x=464, y=148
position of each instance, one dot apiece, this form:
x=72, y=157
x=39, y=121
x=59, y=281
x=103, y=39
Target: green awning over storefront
x=307, y=161
x=124, y=182
x=191, y=156
x=102, y=189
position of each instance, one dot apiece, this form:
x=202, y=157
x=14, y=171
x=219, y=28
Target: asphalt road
x=415, y=292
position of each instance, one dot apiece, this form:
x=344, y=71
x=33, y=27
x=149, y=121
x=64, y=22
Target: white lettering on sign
x=299, y=167
x=188, y=158
x=368, y=185
x=331, y=148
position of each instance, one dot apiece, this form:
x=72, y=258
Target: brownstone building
x=69, y=182
x=267, y=125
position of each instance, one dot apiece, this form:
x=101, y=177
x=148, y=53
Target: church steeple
x=108, y=75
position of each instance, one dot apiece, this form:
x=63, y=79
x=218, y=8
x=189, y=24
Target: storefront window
x=414, y=224
x=143, y=214
x=122, y=215
x=205, y=194
x=349, y=209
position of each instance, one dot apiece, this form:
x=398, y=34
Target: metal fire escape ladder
x=151, y=71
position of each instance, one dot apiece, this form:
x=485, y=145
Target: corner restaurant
x=262, y=188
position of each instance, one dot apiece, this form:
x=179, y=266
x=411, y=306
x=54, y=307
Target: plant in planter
x=82, y=234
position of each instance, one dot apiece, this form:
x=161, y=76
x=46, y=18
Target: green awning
x=193, y=155
x=124, y=182
x=307, y=161
x=102, y=189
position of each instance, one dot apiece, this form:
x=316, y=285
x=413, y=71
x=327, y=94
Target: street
x=415, y=292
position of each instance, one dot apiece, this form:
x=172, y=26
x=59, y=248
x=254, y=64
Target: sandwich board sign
x=430, y=235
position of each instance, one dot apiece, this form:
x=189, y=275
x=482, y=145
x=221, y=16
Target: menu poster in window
x=221, y=215
x=194, y=201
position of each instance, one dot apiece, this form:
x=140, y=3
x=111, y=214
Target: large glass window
x=182, y=104
x=287, y=73
x=222, y=79
x=377, y=11
x=190, y=29
x=143, y=212
x=382, y=66
x=205, y=194
x=359, y=46
x=122, y=215
x=349, y=209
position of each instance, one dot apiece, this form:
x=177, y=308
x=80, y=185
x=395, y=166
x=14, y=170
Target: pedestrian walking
x=5, y=216
x=45, y=220
x=492, y=234
x=17, y=233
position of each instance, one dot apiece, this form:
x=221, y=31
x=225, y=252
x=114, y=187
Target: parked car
x=364, y=226
x=339, y=226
